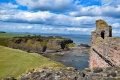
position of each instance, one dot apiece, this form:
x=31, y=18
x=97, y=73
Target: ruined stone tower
x=105, y=49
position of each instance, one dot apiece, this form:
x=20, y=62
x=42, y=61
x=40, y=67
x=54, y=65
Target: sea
x=69, y=59
x=77, y=38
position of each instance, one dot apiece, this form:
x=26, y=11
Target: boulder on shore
x=84, y=45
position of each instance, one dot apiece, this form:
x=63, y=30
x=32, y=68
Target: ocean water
x=77, y=38
x=69, y=59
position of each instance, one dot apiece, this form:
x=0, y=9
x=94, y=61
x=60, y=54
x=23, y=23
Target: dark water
x=69, y=59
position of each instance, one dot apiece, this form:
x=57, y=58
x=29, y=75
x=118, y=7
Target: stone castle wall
x=105, y=50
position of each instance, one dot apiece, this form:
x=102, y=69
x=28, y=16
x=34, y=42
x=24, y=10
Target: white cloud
x=45, y=18
x=45, y=5
x=81, y=20
x=106, y=2
x=79, y=29
x=38, y=28
x=8, y=6
x=45, y=28
x=72, y=7
x=67, y=30
x=86, y=11
x=110, y=2
x=116, y=25
x=24, y=16
x=107, y=11
x=25, y=27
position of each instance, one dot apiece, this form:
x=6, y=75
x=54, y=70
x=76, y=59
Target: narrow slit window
x=103, y=34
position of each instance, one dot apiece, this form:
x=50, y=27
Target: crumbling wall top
x=101, y=24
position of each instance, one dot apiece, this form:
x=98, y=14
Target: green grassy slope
x=10, y=35
x=16, y=62
x=5, y=36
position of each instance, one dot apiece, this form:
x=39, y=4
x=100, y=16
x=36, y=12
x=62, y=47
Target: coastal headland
x=104, y=64
x=38, y=44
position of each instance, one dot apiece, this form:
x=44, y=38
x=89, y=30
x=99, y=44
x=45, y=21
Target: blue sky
x=58, y=16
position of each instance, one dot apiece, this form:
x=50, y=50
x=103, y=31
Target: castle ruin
x=105, y=49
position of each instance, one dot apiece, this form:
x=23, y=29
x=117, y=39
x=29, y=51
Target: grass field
x=15, y=62
x=10, y=35
x=5, y=36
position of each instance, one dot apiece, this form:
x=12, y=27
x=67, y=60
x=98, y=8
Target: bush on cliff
x=3, y=41
x=71, y=45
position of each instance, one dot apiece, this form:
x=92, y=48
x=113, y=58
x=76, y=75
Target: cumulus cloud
x=38, y=28
x=44, y=28
x=25, y=27
x=46, y=5
x=77, y=18
x=106, y=11
x=45, y=17
x=114, y=3
x=24, y=16
x=76, y=8
x=116, y=25
x=8, y=6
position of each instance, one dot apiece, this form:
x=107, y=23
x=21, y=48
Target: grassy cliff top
x=15, y=62
x=10, y=35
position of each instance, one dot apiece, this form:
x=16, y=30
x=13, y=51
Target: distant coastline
x=2, y=32
x=77, y=38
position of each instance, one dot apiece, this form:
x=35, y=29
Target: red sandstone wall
x=108, y=48
x=96, y=61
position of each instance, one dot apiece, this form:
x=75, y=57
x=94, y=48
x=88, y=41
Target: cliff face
x=38, y=44
x=105, y=50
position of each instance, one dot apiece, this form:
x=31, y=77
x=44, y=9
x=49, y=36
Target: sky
x=58, y=16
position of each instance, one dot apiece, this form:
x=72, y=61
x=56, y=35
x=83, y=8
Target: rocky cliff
x=38, y=44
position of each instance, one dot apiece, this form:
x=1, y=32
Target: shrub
x=71, y=45
x=58, y=37
x=3, y=41
x=29, y=44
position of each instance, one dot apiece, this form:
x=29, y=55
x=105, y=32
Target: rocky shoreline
x=80, y=49
x=69, y=73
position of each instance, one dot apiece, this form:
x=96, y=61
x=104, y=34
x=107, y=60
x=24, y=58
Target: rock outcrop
x=105, y=49
x=39, y=44
x=70, y=73
x=79, y=50
x=84, y=45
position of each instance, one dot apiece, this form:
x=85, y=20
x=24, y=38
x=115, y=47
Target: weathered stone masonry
x=105, y=49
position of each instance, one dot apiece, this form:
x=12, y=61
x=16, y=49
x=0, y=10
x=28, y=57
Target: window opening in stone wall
x=103, y=34
x=110, y=35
